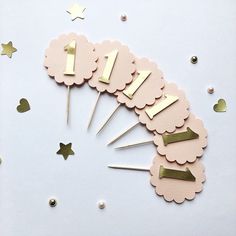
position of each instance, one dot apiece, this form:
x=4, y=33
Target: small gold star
x=76, y=11
x=8, y=49
x=65, y=150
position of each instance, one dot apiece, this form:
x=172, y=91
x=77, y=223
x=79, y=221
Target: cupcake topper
x=185, y=144
x=145, y=88
x=70, y=60
x=172, y=181
x=177, y=182
x=167, y=113
x=115, y=69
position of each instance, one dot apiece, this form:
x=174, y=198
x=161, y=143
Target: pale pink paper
x=185, y=151
x=85, y=59
x=149, y=90
x=122, y=71
x=174, y=189
x=171, y=117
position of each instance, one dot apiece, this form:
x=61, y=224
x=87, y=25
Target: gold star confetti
x=8, y=49
x=76, y=11
x=65, y=150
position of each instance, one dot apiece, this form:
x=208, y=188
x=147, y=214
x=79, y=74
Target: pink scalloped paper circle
x=171, y=117
x=185, y=151
x=149, y=90
x=174, y=189
x=122, y=71
x=85, y=59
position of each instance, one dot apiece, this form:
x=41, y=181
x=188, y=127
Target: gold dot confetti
x=52, y=202
x=101, y=205
x=210, y=90
x=23, y=106
x=220, y=106
x=76, y=11
x=123, y=17
x=65, y=150
x=8, y=49
x=194, y=60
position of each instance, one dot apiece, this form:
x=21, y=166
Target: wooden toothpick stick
x=108, y=119
x=122, y=134
x=123, y=167
x=134, y=144
x=68, y=105
x=93, y=110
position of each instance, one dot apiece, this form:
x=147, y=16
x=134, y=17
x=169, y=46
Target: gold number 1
x=155, y=109
x=70, y=59
x=111, y=59
x=142, y=76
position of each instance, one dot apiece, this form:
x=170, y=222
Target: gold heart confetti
x=220, y=106
x=23, y=106
x=8, y=49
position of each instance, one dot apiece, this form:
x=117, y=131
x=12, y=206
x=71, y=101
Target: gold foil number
x=70, y=59
x=155, y=109
x=142, y=76
x=176, y=174
x=179, y=137
x=111, y=59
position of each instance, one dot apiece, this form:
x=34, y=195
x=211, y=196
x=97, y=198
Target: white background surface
x=167, y=32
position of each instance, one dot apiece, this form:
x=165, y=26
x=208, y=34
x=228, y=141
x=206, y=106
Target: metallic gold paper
x=176, y=174
x=142, y=76
x=8, y=49
x=179, y=137
x=220, y=106
x=65, y=150
x=70, y=60
x=23, y=106
x=155, y=109
x=111, y=59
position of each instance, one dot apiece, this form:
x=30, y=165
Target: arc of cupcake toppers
x=139, y=85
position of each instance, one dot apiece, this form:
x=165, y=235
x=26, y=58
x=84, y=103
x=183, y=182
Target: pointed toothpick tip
x=122, y=134
x=93, y=111
x=134, y=144
x=122, y=167
x=109, y=118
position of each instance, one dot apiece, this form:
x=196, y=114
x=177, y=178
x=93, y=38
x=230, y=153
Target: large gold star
x=65, y=150
x=76, y=11
x=8, y=49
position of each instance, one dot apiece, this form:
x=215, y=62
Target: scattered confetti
x=52, y=202
x=101, y=205
x=220, y=106
x=65, y=150
x=194, y=59
x=76, y=11
x=23, y=106
x=123, y=17
x=210, y=90
x=8, y=49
